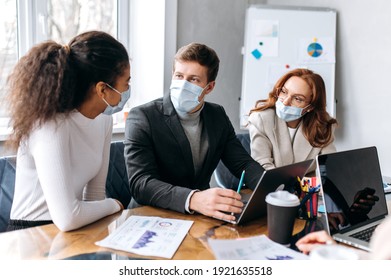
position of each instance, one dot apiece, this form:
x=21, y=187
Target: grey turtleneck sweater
x=193, y=126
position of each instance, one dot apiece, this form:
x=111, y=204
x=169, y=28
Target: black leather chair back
x=117, y=183
x=7, y=186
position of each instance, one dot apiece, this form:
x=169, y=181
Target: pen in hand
x=241, y=181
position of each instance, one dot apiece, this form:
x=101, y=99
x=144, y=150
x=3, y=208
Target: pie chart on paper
x=315, y=50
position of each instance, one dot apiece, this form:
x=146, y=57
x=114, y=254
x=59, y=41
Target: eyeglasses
x=297, y=100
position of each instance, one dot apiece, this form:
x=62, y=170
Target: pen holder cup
x=308, y=209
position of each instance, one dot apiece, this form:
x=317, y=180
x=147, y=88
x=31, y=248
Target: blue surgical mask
x=288, y=113
x=117, y=108
x=184, y=95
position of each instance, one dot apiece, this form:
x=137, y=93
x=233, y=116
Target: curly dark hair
x=52, y=78
x=317, y=124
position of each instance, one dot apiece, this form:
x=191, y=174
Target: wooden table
x=47, y=242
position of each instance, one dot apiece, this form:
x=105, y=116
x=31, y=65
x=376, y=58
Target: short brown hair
x=202, y=54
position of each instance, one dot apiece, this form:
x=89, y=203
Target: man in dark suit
x=173, y=144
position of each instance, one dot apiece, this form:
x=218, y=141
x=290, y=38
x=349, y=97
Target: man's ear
x=210, y=87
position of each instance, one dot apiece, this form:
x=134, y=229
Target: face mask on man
x=184, y=95
x=117, y=108
x=289, y=113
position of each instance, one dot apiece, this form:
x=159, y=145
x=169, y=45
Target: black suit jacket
x=159, y=159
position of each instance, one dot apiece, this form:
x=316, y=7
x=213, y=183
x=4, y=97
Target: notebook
x=284, y=177
x=346, y=178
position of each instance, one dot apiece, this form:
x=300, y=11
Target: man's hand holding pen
x=218, y=203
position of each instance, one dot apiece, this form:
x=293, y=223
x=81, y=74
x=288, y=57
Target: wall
x=362, y=64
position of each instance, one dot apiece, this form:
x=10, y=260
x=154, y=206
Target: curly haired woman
x=292, y=125
x=61, y=101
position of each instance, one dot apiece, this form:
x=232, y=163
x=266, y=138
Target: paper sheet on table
x=148, y=236
x=252, y=248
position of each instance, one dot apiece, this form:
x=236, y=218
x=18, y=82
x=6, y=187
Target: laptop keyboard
x=365, y=234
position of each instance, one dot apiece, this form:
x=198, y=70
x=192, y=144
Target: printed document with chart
x=148, y=236
x=258, y=247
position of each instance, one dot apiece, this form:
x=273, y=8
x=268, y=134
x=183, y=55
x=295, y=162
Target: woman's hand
x=307, y=243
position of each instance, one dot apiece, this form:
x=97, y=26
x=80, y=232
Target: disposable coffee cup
x=282, y=208
x=333, y=252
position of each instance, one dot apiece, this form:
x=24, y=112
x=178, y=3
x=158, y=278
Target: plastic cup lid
x=282, y=198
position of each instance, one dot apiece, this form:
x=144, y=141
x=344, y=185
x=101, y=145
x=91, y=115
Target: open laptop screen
x=347, y=177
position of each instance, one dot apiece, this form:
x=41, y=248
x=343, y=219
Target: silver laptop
x=284, y=177
x=347, y=178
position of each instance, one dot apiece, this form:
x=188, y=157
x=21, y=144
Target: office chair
x=7, y=186
x=117, y=183
x=223, y=176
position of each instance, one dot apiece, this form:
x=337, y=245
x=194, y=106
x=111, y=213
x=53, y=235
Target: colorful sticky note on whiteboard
x=256, y=53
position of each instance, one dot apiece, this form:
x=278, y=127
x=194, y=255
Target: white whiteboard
x=278, y=39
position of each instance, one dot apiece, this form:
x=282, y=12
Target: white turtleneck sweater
x=61, y=172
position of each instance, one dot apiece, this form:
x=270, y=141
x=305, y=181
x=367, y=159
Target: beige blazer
x=271, y=144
